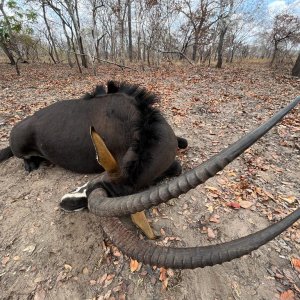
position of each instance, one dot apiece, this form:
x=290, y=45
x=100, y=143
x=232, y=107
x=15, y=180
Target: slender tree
x=296, y=68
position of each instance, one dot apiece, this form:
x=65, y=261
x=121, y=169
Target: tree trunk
x=51, y=40
x=73, y=12
x=296, y=68
x=220, y=47
x=50, y=52
x=139, y=56
x=8, y=53
x=274, y=53
x=232, y=54
x=129, y=31
x=68, y=43
x=17, y=66
x=11, y=42
x=74, y=49
x=121, y=32
x=195, y=46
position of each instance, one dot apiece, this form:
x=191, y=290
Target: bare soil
x=48, y=254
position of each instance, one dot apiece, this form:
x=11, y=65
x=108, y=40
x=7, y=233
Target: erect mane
x=146, y=130
x=142, y=96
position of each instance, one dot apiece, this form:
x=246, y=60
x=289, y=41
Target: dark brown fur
x=137, y=135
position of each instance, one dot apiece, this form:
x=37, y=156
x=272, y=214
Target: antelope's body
x=136, y=134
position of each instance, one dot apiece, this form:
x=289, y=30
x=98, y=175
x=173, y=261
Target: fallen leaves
x=213, y=191
x=245, y=204
x=296, y=264
x=210, y=233
x=134, y=265
x=68, y=268
x=287, y=295
x=228, y=187
x=29, y=249
x=40, y=294
x=102, y=278
x=108, y=280
x=214, y=219
x=164, y=278
x=5, y=260
x=234, y=205
x=289, y=199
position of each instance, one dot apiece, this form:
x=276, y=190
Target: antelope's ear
x=103, y=155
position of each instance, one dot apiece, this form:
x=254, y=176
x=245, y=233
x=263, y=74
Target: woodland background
x=145, y=33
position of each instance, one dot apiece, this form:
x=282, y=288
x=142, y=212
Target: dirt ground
x=48, y=254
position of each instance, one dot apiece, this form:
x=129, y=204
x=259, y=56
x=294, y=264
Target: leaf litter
x=210, y=109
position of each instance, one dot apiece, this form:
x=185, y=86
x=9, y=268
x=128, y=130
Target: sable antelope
x=109, y=207
x=138, y=136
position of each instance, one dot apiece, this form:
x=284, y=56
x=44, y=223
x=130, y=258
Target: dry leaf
x=296, y=263
x=155, y=212
x=245, y=204
x=211, y=188
x=110, y=276
x=165, y=283
x=163, y=278
x=102, y=279
x=85, y=271
x=170, y=272
x=29, y=249
x=234, y=205
x=40, y=294
x=108, y=280
x=5, y=260
x=68, y=268
x=287, y=295
x=210, y=233
x=210, y=208
x=122, y=297
x=134, y=264
x=289, y=199
x=269, y=194
x=107, y=295
x=231, y=174
x=214, y=219
x=93, y=282
x=163, y=274
x=117, y=253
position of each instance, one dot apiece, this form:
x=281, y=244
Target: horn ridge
x=190, y=257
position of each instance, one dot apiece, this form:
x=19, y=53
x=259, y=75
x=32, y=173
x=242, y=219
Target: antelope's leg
x=140, y=220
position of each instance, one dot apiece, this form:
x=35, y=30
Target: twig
x=116, y=64
x=176, y=52
x=170, y=51
x=106, y=61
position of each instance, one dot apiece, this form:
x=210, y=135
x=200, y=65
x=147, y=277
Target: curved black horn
x=137, y=202
x=193, y=257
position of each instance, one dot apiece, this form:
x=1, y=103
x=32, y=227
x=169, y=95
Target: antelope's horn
x=193, y=257
x=131, y=204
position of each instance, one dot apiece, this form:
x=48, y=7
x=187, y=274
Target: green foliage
x=14, y=24
x=12, y=4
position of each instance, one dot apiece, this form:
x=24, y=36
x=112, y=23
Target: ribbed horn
x=130, y=204
x=193, y=257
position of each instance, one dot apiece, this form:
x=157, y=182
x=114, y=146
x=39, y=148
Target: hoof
x=75, y=201
x=73, y=204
